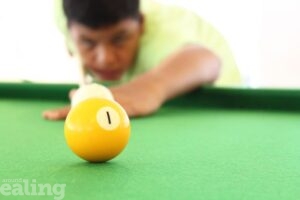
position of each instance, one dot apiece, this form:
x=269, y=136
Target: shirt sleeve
x=61, y=23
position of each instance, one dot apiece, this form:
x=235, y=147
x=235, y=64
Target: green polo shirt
x=167, y=29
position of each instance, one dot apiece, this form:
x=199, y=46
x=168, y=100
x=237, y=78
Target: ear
x=142, y=23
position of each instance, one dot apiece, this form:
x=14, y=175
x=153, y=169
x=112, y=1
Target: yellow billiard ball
x=89, y=91
x=97, y=130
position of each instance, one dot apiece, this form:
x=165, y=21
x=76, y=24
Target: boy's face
x=108, y=52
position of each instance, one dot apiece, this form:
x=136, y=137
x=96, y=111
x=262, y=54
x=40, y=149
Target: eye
x=119, y=40
x=108, y=118
x=87, y=44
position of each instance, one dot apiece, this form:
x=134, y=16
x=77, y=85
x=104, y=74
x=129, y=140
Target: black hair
x=100, y=13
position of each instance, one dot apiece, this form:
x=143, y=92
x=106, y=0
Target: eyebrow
x=121, y=32
x=82, y=37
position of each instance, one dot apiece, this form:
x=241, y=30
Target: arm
x=182, y=72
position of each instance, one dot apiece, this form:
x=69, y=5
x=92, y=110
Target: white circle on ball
x=108, y=118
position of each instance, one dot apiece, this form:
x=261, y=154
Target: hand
x=58, y=113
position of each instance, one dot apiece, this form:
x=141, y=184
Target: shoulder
x=172, y=25
x=167, y=29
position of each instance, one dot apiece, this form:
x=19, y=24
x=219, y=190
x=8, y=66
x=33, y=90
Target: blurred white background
x=264, y=36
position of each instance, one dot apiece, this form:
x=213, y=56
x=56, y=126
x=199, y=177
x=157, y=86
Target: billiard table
x=213, y=143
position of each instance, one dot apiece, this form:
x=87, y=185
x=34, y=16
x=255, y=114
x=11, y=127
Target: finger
x=52, y=115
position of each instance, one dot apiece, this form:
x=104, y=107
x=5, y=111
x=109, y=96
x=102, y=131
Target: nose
x=105, y=57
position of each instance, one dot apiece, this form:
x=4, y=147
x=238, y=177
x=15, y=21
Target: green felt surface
x=182, y=152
